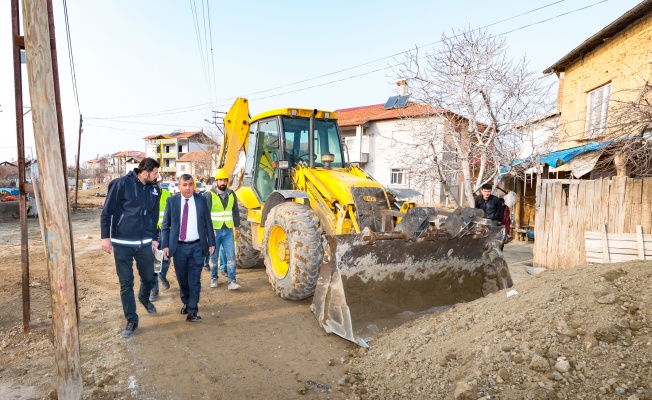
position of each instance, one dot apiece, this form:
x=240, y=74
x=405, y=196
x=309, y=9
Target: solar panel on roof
x=402, y=101
x=391, y=102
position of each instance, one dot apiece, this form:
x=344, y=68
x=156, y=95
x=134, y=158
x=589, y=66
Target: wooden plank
x=575, y=234
x=565, y=181
x=604, y=209
x=564, y=245
x=605, y=245
x=596, y=204
x=614, y=258
x=622, y=201
x=538, y=251
x=554, y=235
x=598, y=249
x=640, y=242
x=634, y=212
x=617, y=236
x=646, y=205
x=632, y=245
x=585, y=199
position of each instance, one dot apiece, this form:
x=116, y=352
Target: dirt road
x=250, y=343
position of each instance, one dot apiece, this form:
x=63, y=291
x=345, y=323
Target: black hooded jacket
x=130, y=212
x=492, y=207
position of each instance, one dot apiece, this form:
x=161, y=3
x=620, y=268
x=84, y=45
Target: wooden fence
x=565, y=209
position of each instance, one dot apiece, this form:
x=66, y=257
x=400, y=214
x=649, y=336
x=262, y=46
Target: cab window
x=267, y=150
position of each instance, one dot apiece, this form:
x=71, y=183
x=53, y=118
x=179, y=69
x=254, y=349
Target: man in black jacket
x=128, y=224
x=491, y=205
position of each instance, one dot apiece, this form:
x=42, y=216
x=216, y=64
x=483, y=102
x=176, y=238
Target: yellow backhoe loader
x=329, y=230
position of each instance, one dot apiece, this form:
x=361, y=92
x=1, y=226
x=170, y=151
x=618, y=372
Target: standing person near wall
x=187, y=235
x=165, y=264
x=128, y=225
x=490, y=204
x=223, y=206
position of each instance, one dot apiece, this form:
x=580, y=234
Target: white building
x=168, y=148
x=377, y=138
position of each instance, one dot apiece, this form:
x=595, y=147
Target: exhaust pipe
x=311, y=138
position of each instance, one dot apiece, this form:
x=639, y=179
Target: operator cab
x=283, y=135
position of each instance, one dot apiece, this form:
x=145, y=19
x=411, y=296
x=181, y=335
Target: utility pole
x=81, y=120
x=57, y=218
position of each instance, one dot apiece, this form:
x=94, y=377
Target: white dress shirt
x=192, y=233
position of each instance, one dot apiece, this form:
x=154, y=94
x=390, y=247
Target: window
x=399, y=177
x=183, y=167
x=596, y=110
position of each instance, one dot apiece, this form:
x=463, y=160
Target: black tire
x=246, y=256
x=302, y=250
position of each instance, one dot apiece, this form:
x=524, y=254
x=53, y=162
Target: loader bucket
x=373, y=281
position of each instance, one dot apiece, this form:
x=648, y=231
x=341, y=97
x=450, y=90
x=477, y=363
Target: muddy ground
x=252, y=344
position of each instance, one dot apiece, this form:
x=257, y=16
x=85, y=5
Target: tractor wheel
x=246, y=256
x=293, y=250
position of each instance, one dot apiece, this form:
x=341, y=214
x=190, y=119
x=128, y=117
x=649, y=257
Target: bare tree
x=478, y=96
x=628, y=127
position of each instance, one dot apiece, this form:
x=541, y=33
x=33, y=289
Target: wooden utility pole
x=81, y=120
x=57, y=218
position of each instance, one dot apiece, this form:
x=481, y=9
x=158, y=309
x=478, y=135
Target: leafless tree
x=8, y=175
x=628, y=127
x=478, y=96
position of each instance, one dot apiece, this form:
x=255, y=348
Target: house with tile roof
x=375, y=136
x=199, y=164
x=116, y=163
x=168, y=148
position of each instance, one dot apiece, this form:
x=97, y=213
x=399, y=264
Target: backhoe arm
x=236, y=135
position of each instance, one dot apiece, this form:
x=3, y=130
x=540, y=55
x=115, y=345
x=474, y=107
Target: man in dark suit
x=187, y=235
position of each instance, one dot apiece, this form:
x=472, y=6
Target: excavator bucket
x=372, y=281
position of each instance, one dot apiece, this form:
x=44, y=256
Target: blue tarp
x=559, y=157
x=13, y=191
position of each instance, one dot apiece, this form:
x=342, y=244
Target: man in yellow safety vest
x=223, y=206
x=165, y=264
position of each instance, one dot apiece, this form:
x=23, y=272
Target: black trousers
x=188, y=263
x=124, y=267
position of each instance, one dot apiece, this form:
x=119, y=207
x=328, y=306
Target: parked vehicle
x=200, y=187
x=165, y=185
x=173, y=187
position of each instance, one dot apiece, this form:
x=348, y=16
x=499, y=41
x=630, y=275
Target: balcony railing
x=168, y=169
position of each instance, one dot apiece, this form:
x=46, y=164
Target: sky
x=150, y=66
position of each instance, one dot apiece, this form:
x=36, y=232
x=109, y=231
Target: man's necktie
x=184, y=222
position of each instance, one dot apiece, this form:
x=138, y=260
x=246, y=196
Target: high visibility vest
x=220, y=215
x=161, y=207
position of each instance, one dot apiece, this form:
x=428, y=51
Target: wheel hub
x=283, y=251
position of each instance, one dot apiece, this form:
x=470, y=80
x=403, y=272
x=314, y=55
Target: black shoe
x=151, y=310
x=153, y=296
x=129, y=330
x=193, y=318
x=184, y=309
x=164, y=282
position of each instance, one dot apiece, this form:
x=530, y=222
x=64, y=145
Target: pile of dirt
x=566, y=334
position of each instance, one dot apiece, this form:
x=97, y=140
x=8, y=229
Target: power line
x=395, y=65
x=73, y=74
x=193, y=8
x=210, y=31
x=148, y=123
x=187, y=108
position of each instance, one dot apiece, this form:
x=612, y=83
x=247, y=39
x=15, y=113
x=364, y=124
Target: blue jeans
x=124, y=266
x=224, y=241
